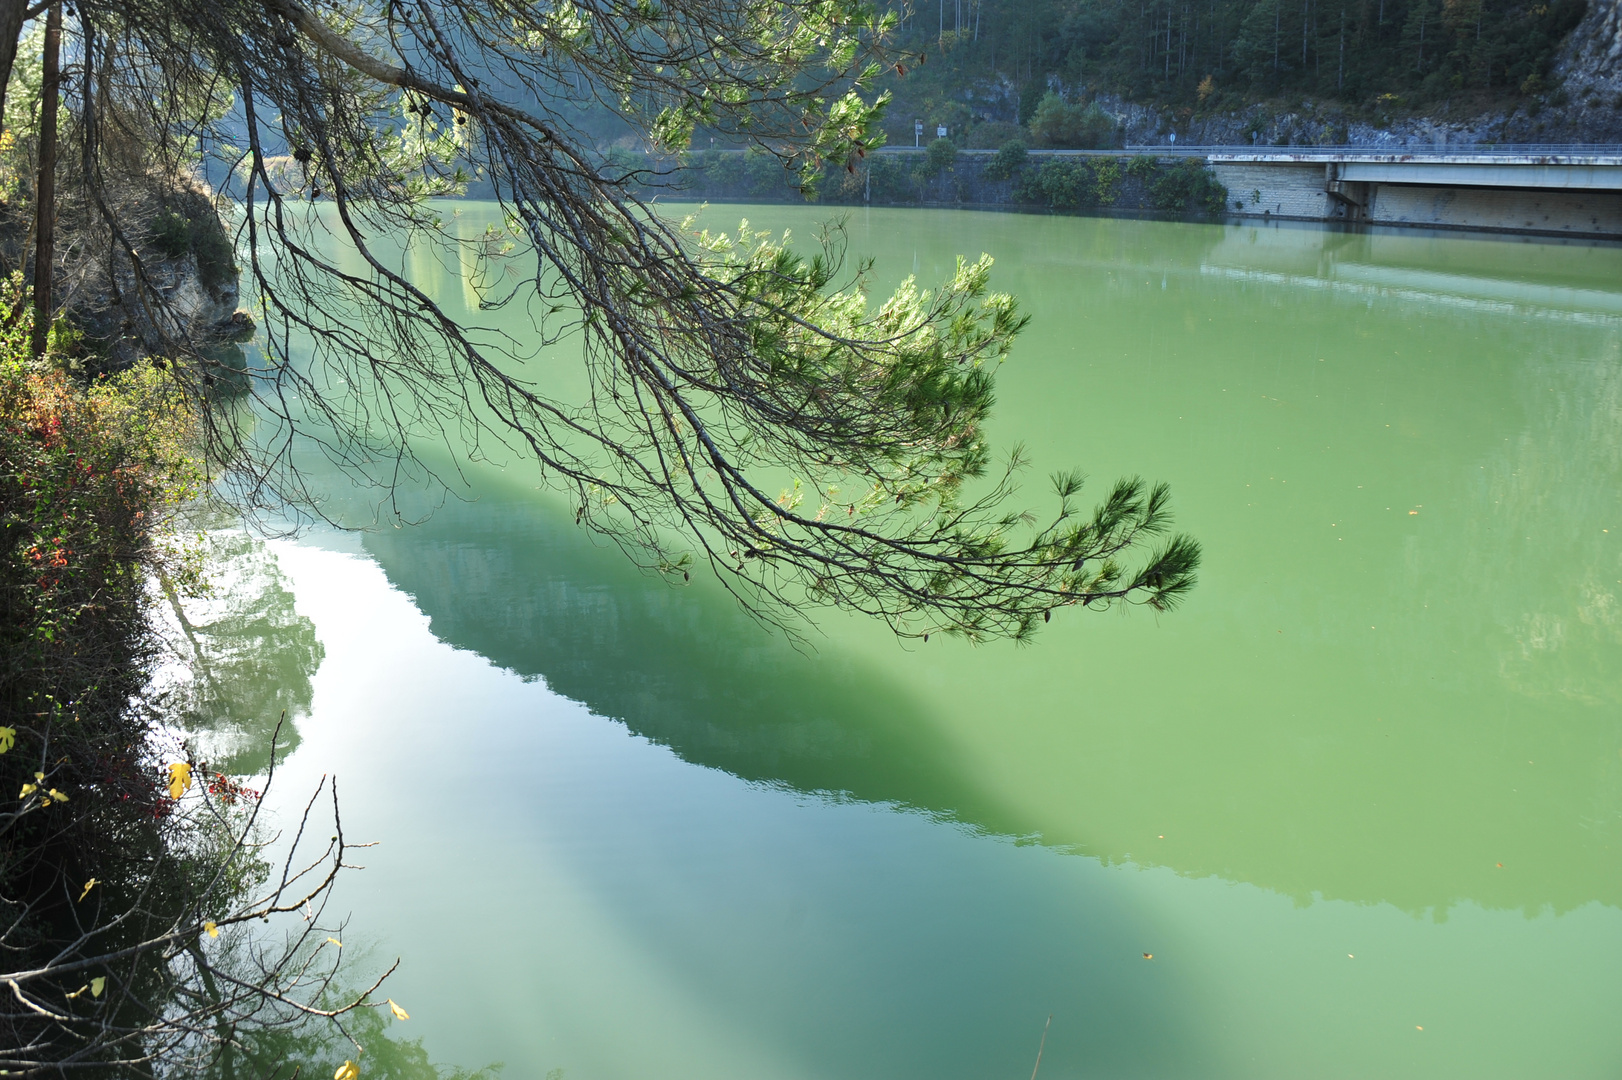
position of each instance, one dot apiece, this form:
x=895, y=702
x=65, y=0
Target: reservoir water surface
x=1355, y=810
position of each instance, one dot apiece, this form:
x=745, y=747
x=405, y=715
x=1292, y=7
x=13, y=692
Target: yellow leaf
x=399, y=1013
x=91, y=884
x=347, y=1071
x=179, y=779
x=213, y=931
x=28, y=789
x=57, y=795
x=97, y=985
x=336, y=942
x=8, y=738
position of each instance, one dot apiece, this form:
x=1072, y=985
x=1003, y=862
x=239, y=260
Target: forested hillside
x=984, y=59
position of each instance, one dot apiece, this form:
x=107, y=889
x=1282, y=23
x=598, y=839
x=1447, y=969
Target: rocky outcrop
x=179, y=294
x=1306, y=123
x=1590, y=73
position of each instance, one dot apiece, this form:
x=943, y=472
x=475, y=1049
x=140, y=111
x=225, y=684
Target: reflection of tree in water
x=317, y=1050
x=242, y=657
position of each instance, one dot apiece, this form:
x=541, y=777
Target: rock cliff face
x=187, y=269
x=1590, y=70
x=1306, y=124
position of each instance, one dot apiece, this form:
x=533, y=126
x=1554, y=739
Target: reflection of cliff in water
x=682, y=667
x=243, y=657
x=522, y=587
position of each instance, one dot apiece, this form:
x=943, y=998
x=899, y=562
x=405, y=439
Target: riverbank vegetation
x=130, y=872
x=943, y=176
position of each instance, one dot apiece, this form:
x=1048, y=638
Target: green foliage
x=91, y=473
x=176, y=235
x=938, y=157
x=1085, y=127
x=171, y=234
x=715, y=364
x=1107, y=181
x=1030, y=99
x=937, y=381
x=319, y=1050
x=1143, y=168
x=1008, y=162
x=1188, y=187
x=741, y=175
x=27, y=79
x=1062, y=183
x=86, y=475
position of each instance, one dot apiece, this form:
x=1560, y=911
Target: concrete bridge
x=1547, y=190
x=1559, y=190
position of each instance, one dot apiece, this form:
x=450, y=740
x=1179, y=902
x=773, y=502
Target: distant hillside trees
x=1214, y=54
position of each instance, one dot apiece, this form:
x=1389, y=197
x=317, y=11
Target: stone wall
x=1283, y=191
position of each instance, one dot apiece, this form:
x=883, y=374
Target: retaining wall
x=1287, y=191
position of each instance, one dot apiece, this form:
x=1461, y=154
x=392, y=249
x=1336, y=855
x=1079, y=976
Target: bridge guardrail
x=1360, y=150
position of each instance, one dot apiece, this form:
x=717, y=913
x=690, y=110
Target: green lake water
x=1360, y=798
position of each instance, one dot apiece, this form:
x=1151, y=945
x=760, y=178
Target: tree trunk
x=11, y=28
x=45, y=189
x=1340, y=75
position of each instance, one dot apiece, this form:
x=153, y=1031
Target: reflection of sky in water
x=629, y=833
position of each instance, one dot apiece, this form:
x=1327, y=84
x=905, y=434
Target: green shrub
x=1106, y=182
x=1063, y=185
x=1030, y=99
x=1086, y=127
x=1143, y=168
x=171, y=234
x=1188, y=187
x=175, y=236
x=1008, y=162
x=90, y=474
x=216, y=261
x=752, y=174
x=940, y=156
